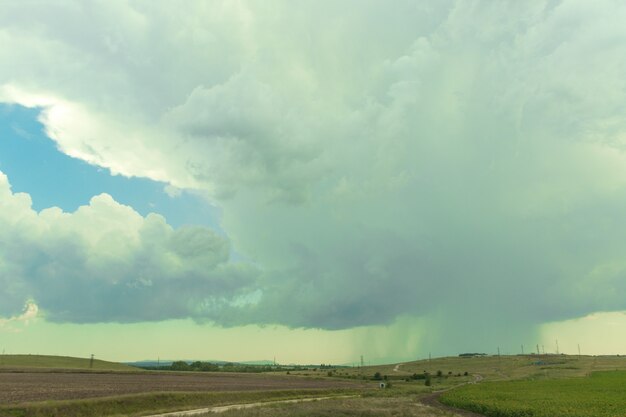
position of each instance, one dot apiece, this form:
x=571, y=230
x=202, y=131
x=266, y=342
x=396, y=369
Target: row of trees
x=426, y=377
x=199, y=366
x=214, y=367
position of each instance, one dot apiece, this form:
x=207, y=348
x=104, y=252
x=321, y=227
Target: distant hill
x=59, y=362
x=153, y=363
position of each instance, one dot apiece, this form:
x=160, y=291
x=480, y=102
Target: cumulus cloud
x=444, y=159
x=105, y=262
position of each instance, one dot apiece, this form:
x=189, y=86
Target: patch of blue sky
x=35, y=166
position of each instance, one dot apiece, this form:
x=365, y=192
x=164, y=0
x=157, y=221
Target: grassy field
x=153, y=403
x=599, y=395
x=30, y=362
x=491, y=368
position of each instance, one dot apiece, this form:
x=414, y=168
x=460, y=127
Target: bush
x=378, y=376
x=180, y=366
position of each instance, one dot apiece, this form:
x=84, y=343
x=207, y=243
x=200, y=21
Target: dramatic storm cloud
x=461, y=161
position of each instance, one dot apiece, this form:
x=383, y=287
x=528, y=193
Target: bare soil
x=37, y=386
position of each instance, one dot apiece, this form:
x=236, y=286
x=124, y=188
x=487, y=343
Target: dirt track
x=432, y=400
x=37, y=386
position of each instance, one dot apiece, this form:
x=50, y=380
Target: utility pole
x=91, y=361
x=362, y=361
x=557, y=346
x=579, y=351
x=428, y=356
x=537, y=348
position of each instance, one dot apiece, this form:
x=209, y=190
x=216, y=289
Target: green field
x=42, y=362
x=600, y=395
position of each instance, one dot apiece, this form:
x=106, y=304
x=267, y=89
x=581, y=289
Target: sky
x=312, y=180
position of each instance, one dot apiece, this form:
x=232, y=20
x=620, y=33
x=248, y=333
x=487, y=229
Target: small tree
x=180, y=366
x=377, y=376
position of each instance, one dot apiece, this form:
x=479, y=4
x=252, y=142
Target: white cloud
x=172, y=191
x=374, y=160
x=105, y=262
x=30, y=313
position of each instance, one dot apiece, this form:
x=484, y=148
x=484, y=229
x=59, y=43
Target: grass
x=494, y=368
x=599, y=395
x=41, y=362
x=343, y=407
x=143, y=404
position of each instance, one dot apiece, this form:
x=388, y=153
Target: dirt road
x=432, y=400
x=224, y=408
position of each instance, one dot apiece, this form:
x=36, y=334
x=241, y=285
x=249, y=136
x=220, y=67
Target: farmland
x=599, y=395
x=47, y=386
x=43, y=386
x=52, y=386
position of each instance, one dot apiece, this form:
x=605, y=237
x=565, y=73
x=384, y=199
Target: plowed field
x=37, y=386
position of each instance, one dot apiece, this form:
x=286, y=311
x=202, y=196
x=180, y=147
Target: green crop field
x=599, y=395
x=42, y=362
